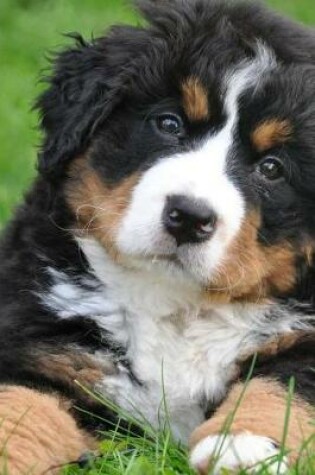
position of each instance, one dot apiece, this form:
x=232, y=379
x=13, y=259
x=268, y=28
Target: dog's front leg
x=37, y=433
x=248, y=429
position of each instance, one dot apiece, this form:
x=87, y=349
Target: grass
x=157, y=453
x=28, y=30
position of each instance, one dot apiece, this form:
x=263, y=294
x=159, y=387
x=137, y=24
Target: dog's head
x=189, y=144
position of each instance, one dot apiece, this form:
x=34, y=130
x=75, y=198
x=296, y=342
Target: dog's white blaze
x=199, y=174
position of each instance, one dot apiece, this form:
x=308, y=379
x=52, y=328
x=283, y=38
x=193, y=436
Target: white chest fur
x=183, y=355
x=183, y=364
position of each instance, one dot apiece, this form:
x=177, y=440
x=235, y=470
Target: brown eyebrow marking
x=195, y=99
x=270, y=133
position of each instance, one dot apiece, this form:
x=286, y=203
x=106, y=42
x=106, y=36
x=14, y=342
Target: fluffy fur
x=169, y=235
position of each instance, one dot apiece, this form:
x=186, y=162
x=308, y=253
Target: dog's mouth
x=190, y=260
x=169, y=260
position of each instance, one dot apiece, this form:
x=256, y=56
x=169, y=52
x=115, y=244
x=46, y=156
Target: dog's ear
x=87, y=83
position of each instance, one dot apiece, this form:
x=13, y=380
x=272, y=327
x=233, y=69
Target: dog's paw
x=234, y=452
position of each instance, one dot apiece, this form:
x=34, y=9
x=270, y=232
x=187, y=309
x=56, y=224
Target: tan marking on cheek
x=250, y=271
x=36, y=433
x=271, y=133
x=261, y=412
x=195, y=100
x=99, y=208
x=281, y=266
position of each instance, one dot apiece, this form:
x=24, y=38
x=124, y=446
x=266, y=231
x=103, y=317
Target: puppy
x=168, y=238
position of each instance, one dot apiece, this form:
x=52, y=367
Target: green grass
x=28, y=30
x=156, y=453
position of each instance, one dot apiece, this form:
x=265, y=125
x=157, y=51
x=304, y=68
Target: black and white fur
x=143, y=317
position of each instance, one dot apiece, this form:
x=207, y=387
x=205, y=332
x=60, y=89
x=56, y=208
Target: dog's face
x=193, y=150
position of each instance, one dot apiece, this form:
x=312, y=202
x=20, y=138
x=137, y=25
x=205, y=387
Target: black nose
x=188, y=220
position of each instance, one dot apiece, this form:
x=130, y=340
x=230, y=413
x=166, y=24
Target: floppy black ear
x=87, y=82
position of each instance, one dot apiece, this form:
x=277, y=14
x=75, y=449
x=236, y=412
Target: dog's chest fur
x=181, y=356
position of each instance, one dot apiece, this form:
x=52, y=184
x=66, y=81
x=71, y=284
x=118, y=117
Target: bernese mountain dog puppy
x=167, y=240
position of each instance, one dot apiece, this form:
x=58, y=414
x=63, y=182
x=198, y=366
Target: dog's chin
x=186, y=262
x=195, y=262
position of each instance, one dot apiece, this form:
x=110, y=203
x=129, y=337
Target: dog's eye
x=170, y=124
x=271, y=168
